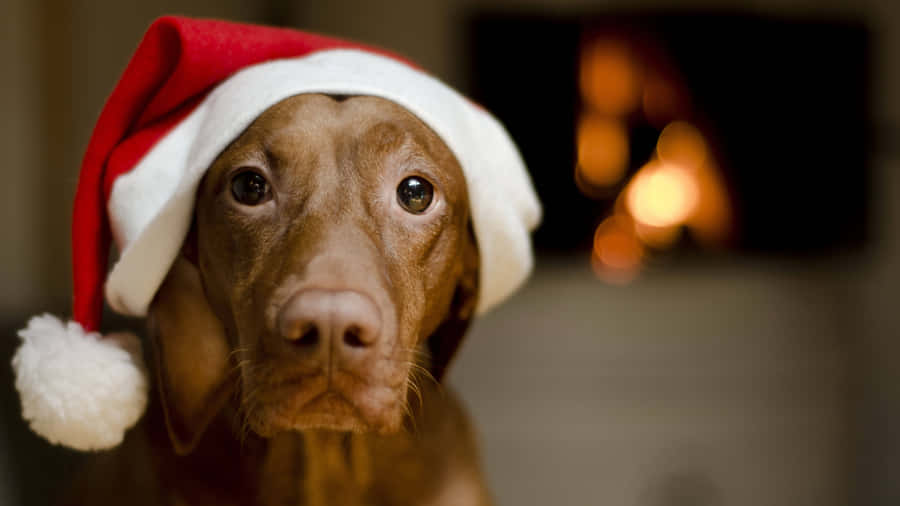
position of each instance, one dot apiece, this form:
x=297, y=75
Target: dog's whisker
x=412, y=385
x=413, y=420
x=240, y=349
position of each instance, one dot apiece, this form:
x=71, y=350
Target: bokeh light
x=681, y=144
x=610, y=78
x=680, y=190
x=602, y=150
x=617, y=253
x=711, y=222
x=662, y=195
x=657, y=237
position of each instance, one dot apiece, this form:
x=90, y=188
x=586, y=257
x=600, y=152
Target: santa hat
x=191, y=88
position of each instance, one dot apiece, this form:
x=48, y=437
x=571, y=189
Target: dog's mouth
x=335, y=400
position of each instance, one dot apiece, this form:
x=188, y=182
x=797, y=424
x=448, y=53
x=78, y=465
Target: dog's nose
x=321, y=319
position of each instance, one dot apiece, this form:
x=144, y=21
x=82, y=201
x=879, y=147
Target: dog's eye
x=250, y=188
x=415, y=194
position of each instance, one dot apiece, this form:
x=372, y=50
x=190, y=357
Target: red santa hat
x=192, y=87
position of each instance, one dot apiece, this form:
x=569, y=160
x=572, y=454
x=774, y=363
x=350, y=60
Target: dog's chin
x=308, y=404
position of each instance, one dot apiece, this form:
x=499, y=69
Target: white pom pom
x=79, y=389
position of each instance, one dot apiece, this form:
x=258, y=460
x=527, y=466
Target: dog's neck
x=324, y=467
x=311, y=467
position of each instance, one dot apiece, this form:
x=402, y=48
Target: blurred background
x=713, y=316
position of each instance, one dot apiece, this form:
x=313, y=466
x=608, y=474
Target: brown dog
x=329, y=276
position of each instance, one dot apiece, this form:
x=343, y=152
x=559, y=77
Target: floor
x=701, y=386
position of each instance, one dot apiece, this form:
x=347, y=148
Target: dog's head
x=331, y=265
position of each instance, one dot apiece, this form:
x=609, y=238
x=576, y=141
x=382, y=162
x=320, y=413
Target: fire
x=662, y=195
x=680, y=143
x=602, y=150
x=617, y=252
x=610, y=78
x=680, y=188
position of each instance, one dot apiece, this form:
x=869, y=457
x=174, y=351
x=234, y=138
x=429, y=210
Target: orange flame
x=602, y=150
x=617, y=253
x=662, y=195
x=609, y=79
x=681, y=144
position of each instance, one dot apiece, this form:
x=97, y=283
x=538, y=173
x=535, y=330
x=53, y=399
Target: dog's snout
x=325, y=319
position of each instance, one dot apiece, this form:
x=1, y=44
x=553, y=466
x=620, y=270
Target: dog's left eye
x=415, y=194
x=250, y=188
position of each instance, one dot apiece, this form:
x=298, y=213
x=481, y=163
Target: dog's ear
x=443, y=343
x=192, y=355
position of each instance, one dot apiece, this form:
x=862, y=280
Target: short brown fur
x=250, y=413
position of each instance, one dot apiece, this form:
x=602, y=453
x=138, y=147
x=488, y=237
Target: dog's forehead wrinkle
x=396, y=143
x=383, y=133
x=246, y=152
x=298, y=151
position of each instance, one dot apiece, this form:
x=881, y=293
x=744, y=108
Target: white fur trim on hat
x=150, y=207
x=79, y=389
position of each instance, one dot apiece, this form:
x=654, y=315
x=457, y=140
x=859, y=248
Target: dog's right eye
x=415, y=194
x=250, y=188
